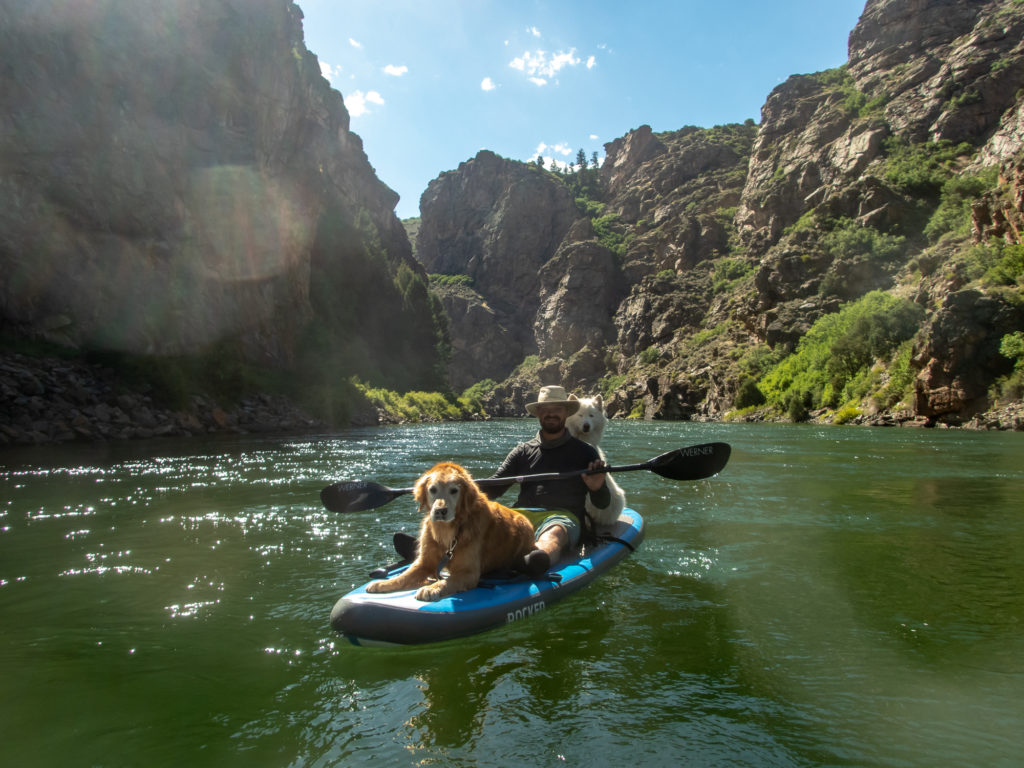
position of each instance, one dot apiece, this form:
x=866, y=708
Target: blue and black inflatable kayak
x=398, y=618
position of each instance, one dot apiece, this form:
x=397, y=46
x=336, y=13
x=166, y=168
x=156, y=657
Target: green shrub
x=1011, y=387
x=727, y=272
x=472, y=398
x=413, y=406
x=797, y=404
x=650, y=356
x=756, y=361
x=748, y=395
x=954, y=211
x=855, y=102
x=921, y=168
x=449, y=280
x=850, y=240
x=1011, y=346
x=837, y=348
x=901, y=377
x=610, y=384
x=589, y=208
x=609, y=232
x=1008, y=268
x=529, y=366
x=705, y=335
x=845, y=415
x=809, y=220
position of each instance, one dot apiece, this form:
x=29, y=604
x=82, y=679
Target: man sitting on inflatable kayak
x=552, y=450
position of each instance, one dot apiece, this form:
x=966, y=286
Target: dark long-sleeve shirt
x=538, y=456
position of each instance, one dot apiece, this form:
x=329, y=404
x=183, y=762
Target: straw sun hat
x=554, y=395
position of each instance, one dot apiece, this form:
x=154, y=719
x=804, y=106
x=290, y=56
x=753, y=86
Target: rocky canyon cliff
x=683, y=276
x=177, y=177
x=177, y=180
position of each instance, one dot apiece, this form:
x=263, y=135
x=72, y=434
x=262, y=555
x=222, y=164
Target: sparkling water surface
x=836, y=596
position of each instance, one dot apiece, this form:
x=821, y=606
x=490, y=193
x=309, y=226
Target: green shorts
x=571, y=525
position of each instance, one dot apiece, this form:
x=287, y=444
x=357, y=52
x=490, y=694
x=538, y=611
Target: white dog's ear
x=573, y=397
x=599, y=401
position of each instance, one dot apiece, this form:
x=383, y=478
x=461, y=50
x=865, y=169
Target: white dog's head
x=589, y=421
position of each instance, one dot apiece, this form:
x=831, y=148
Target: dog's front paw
x=376, y=586
x=430, y=594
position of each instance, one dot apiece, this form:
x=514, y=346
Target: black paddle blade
x=694, y=462
x=358, y=495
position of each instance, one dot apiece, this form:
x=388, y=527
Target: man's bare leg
x=547, y=552
x=554, y=541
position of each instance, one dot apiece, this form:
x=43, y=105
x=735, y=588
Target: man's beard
x=552, y=426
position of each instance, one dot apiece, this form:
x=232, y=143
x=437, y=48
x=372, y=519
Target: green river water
x=836, y=596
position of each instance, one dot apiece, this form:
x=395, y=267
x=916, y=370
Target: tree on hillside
x=593, y=159
x=581, y=160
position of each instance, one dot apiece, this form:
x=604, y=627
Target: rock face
x=499, y=222
x=164, y=191
x=701, y=253
x=952, y=68
x=48, y=400
x=162, y=194
x=579, y=289
x=959, y=355
x=1000, y=214
x=482, y=345
x=551, y=283
x=934, y=70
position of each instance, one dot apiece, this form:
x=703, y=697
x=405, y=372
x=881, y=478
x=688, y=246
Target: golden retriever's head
x=446, y=493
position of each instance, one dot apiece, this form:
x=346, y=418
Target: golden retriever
x=460, y=523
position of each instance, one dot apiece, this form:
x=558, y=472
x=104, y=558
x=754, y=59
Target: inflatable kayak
x=398, y=618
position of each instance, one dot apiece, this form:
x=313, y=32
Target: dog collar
x=447, y=556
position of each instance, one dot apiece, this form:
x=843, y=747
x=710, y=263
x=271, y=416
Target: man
x=554, y=450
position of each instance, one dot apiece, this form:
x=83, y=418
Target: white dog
x=588, y=424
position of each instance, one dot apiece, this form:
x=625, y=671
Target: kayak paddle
x=692, y=463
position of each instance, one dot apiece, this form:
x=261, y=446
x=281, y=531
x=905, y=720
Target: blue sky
x=429, y=83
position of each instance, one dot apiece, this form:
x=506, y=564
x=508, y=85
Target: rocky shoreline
x=52, y=400
x=47, y=400
x=1004, y=418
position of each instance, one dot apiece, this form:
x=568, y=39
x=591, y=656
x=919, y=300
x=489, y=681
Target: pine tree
x=581, y=160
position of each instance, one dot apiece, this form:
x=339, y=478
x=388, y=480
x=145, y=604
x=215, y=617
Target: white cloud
x=539, y=67
x=354, y=43
x=487, y=84
x=533, y=31
x=560, y=155
x=391, y=69
x=591, y=62
x=593, y=137
x=562, y=59
x=329, y=72
x=357, y=100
